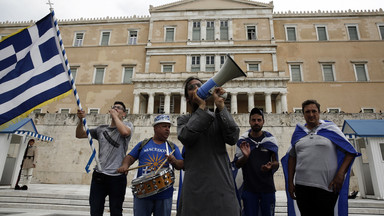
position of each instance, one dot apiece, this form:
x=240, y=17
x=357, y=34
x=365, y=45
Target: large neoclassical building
x=336, y=57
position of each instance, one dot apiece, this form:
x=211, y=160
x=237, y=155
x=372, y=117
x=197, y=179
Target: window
x=382, y=151
x=132, y=37
x=99, y=76
x=328, y=75
x=224, y=30
x=167, y=68
x=2, y=37
x=297, y=110
x=251, y=32
x=368, y=110
x=253, y=67
x=195, y=64
x=210, y=63
x=93, y=111
x=296, y=73
x=222, y=59
x=360, y=72
x=353, y=32
x=105, y=38
x=169, y=34
x=321, y=33
x=196, y=31
x=128, y=74
x=64, y=110
x=162, y=104
x=79, y=37
x=381, y=31
x=210, y=30
x=37, y=111
x=333, y=110
x=290, y=32
x=74, y=73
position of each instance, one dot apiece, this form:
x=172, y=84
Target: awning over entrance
x=364, y=128
x=26, y=127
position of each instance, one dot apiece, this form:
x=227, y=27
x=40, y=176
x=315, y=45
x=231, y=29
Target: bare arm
x=127, y=162
x=121, y=127
x=178, y=164
x=80, y=132
x=272, y=165
x=338, y=180
x=291, y=174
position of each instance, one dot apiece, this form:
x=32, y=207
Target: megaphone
x=228, y=71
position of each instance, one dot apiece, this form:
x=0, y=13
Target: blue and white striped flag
x=33, y=72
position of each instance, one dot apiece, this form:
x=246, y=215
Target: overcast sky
x=26, y=10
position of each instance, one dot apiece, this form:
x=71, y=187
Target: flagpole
x=94, y=155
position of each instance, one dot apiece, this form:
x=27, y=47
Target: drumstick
x=136, y=167
x=163, y=163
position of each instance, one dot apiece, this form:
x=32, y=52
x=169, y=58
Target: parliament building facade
x=335, y=57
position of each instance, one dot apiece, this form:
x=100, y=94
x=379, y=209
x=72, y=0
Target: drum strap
x=145, y=141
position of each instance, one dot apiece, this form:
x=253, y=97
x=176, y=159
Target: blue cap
x=162, y=119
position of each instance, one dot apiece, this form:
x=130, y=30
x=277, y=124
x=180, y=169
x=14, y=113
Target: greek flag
x=33, y=71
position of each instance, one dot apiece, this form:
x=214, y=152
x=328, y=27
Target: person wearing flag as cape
x=208, y=187
x=317, y=166
x=257, y=155
x=113, y=144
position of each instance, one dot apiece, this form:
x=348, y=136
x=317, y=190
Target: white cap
x=161, y=119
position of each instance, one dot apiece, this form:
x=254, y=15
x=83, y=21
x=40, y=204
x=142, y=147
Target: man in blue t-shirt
x=256, y=154
x=151, y=155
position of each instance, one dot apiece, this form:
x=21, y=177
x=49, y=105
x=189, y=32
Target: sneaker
x=17, y=187
x=25, y=187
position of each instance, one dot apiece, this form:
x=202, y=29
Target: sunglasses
x=118, y=107
x=193, y=86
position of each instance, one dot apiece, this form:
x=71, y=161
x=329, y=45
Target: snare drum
x=151, y=184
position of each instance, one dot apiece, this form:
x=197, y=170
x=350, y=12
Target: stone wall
x=63, y=160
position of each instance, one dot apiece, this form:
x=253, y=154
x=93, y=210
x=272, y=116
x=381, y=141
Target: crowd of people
x=316, y=166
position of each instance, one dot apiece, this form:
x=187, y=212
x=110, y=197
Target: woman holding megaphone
x=208, y=187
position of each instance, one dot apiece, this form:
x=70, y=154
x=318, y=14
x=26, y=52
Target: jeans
x=254, y=202
x=145, y=207
x=104, y=185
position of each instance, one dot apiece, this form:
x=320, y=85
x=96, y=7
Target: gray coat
x=208, y=187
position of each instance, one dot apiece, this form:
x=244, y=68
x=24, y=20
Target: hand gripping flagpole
x=94, y=155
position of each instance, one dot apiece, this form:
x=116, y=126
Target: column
x=136, y=103
x=217, y=29
x=189, y=63
x=190, y=26
x=284, y=105
x=202, y=62
x=151, y=101
x=217, y=62
x=230, y=30
x=167, y=102
x=268, y=102
x=183, y=104
x=251, y=101
x=278, y=105
x=233, y=102
x=274, y=62
x=203, y=30
x=147, y=60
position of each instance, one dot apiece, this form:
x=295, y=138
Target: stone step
x=72, y=202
